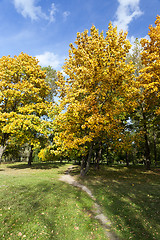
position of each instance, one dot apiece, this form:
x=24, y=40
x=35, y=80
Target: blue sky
x=45, y=28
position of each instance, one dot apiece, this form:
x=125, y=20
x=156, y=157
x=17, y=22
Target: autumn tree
x=144, y=121
x=97, y=94
x=136, y=118
x=149, y=84
x=23, y=91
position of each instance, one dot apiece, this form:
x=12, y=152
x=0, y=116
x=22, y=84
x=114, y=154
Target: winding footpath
x=106, y=223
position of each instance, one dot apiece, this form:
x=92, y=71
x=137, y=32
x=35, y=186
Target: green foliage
x=50, y=79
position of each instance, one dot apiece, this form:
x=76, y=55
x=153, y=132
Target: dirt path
x=106, y=223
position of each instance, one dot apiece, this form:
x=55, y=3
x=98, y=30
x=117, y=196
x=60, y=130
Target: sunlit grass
x=34, y=204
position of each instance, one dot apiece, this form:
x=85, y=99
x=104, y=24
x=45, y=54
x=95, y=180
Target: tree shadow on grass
x=122, y=173
x=44, y=166
x=135, y=211
x=130, y=197
x=73, y=170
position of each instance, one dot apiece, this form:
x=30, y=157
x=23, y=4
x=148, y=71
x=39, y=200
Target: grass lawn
x=130, y=197
x=34, y=204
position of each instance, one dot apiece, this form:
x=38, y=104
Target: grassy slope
x=34, y=204
x=131, y=199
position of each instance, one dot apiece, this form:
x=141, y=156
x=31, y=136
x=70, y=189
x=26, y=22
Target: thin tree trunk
x=30, y=156
x=82, y=165
x=147, y=153
x=3, y=145
x=2, y=149
x=127, y=160
x=86, y=164
x=133, y=157
x=99, y=155
x=147, y=149
x=155, y=149
x=107, y=156
x=94, y=157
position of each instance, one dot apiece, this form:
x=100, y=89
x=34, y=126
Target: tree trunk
x=99, y=155
x=147, y=149
x=94, y=157
x=127, y=160
x=83, y=164
x=30, y=156
x=2, y=149
x=86, y=163
x=155, y=149
x=107, y=156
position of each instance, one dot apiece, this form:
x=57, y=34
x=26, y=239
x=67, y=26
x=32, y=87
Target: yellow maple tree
x=149, y=83
x=149, y=79
x=97, y=92
x=22, y=100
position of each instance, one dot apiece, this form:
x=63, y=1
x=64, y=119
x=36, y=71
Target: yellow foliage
x=22, y=97
x=99, y=88
x=149, y=80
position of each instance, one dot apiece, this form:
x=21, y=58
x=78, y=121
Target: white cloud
x=147, y=37
x=53, y=12
x=132, y=39
x=29, y=9
x=49, y=58
x=126, y=12
x=65, y=15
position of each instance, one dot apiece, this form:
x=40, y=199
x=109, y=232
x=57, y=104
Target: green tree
x=51, y=78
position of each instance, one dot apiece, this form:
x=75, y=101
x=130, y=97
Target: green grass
x=130, y=197
x=34, y=204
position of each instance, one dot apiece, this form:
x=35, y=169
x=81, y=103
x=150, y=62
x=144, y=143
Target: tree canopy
x=23, y=91
x=99, y=91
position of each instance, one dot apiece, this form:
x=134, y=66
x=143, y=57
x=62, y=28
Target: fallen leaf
x=77, y=228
